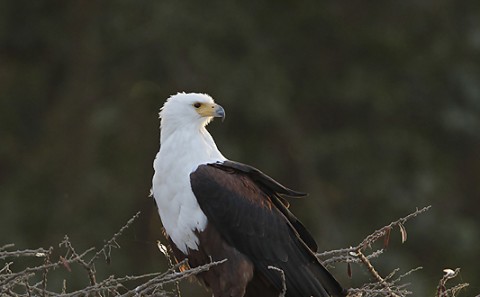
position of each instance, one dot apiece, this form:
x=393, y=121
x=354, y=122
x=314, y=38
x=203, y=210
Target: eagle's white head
x=189, y=109
x=185, y=115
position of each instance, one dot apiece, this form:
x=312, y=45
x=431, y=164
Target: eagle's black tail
x=304, y=276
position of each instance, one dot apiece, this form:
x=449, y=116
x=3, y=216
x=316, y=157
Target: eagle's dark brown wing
x=244, y=206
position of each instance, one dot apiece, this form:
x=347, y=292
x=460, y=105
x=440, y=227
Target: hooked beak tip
x=220, y=112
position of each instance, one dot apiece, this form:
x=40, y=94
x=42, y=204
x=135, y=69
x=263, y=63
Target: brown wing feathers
x=243, y=205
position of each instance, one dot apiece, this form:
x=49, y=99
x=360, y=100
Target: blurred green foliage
x=371, y=107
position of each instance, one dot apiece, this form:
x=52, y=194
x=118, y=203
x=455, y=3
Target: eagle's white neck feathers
x=184, y=145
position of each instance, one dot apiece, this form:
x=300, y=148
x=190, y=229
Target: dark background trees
x=373, y=108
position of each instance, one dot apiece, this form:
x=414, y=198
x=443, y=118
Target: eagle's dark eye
x=197, y=105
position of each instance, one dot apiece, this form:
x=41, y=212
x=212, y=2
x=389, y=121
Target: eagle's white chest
x=179, y=211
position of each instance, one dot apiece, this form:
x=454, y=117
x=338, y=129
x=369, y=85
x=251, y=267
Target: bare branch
x=164, y=279
x=284, y=281
x=112, y=243
x=21, y=282
x=442, y=290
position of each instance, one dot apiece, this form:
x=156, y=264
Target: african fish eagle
x=213, y=209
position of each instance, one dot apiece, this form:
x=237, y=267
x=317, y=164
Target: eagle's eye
x=197, y=104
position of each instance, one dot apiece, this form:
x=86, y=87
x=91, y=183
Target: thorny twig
x=46, y=261
x=21, y=253
x=442, y=290
x=165, y=279
x=350, y=258
x=377, y=276
x=90, y=271
x=283, y=292
x=112, y=243
x=168, y=253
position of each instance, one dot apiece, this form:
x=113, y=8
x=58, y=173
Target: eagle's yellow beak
x=211, y=110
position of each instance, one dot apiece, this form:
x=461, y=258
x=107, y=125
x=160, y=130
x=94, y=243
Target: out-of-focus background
x=371, y=107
